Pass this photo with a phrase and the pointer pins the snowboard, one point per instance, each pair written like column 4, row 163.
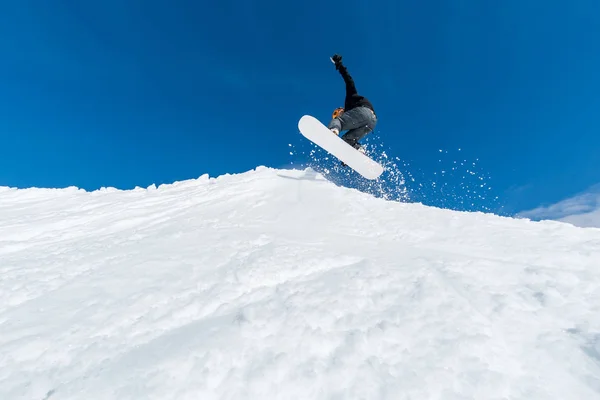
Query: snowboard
column 312, row 129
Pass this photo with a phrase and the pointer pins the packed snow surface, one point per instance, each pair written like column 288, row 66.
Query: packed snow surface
column 278, row 284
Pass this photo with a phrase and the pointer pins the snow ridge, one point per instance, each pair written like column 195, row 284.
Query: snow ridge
column 279, row 284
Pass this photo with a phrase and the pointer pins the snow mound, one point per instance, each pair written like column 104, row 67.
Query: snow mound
column 278, row 284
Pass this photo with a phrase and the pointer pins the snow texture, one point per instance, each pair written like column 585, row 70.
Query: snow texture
column 278, row 284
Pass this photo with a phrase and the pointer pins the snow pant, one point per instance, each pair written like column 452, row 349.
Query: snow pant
column 358, row 122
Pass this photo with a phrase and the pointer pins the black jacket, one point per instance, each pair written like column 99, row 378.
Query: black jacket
column 353, row 99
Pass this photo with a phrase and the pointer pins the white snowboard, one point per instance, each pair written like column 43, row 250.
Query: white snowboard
column 318, row 133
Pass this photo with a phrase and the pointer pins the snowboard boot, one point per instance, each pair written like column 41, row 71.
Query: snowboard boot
column 359, row 147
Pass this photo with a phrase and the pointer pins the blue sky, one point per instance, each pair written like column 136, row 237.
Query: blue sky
column 131, row 93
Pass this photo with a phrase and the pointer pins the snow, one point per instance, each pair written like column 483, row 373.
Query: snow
column 279, row 284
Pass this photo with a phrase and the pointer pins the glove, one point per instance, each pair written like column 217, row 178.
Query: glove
column 337, row 60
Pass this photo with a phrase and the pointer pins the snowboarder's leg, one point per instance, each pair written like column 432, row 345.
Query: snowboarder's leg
column 351, row 119
column 359, row 122
column 360, row 118
column 354, row 135
column 335, row 125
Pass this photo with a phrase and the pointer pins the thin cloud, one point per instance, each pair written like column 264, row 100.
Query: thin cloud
column 588, row 220
column 582, row 209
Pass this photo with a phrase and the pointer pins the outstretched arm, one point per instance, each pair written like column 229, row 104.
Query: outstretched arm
column 350, row 87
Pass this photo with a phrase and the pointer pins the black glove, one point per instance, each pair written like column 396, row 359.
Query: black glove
column 337, row 60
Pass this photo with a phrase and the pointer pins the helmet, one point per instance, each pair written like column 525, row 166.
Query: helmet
column 337, row 112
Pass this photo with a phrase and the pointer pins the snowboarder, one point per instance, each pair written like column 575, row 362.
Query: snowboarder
column 357, row 116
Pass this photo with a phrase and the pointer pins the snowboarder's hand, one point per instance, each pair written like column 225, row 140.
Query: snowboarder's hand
column 337, row 60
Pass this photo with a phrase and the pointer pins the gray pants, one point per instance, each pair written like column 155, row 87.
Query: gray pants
column 359, row 122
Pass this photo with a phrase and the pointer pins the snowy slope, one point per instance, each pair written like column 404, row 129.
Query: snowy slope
column 277, row 284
